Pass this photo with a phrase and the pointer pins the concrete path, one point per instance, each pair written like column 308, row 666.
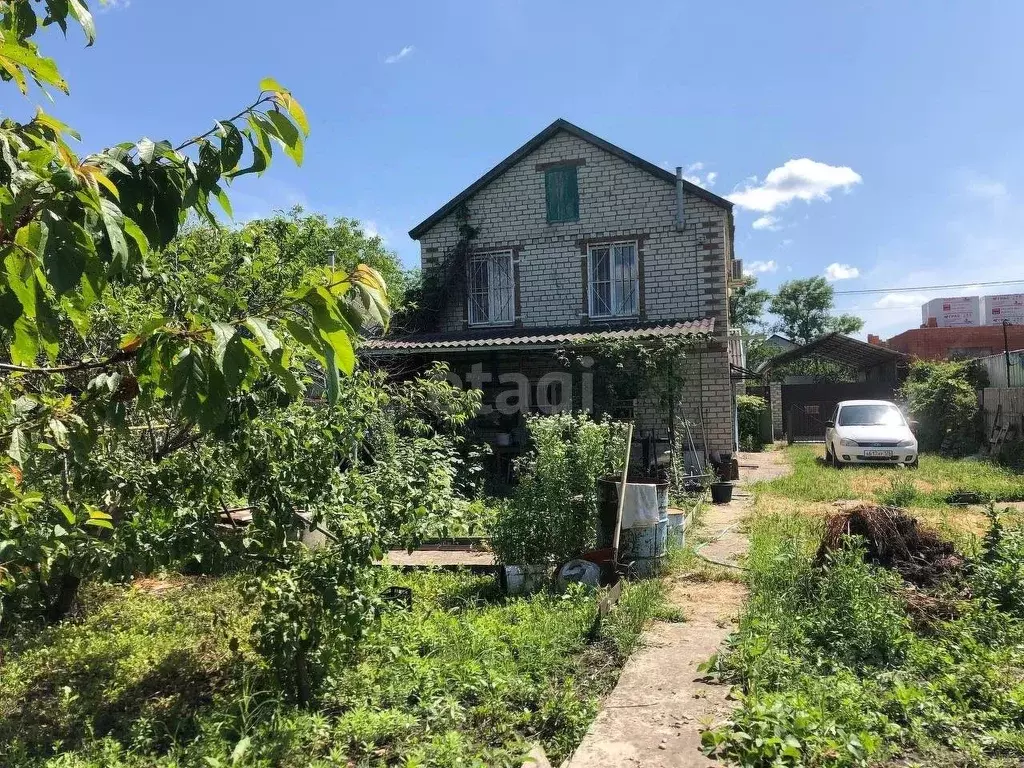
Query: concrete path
column 654, row 717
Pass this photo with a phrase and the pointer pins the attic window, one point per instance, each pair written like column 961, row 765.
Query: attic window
column 562, row 191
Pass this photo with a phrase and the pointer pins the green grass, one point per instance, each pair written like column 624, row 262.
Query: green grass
column 936, row 478
column 166, row 678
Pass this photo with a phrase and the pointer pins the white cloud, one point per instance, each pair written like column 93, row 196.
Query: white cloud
column 113, row 5
column 760, row 267
column 836, row 271
column 801, row 179
column 397, row 57
column 899, row 300
column 987, row 189
column 692, row 173
column 766, row 222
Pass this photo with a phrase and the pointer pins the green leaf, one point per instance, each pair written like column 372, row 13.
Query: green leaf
column 97, row 523
column 262, row 332
column 224, row 201
column 341, row 344
column 66, row 511
column 113, row 223
column 146, row 149
column 59, row 431
column 19, row 446
column 25, row 344
column 42, row 69
column 333, row 383
column 237, row 362
column 240, row 749
column 223, row 333
column 288, row 134
column 259, row 160
column 270, row 84
column 307, row 339
column 231, row 147
column 80, row 12
column 134, row 231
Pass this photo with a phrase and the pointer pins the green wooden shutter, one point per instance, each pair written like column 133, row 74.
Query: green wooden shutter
column 562, row 190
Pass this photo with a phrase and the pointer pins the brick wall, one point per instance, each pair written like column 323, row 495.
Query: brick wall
column 942, row 343
column 775, row 402
column 684, row 274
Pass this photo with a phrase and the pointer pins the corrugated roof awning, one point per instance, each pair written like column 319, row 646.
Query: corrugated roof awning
column 841, row 349
column 531, row 338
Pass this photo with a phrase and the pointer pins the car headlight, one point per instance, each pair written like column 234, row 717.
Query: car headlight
column 907, row 444
column 848, row 442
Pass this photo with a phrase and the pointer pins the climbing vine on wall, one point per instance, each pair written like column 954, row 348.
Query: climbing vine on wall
column 444, row 281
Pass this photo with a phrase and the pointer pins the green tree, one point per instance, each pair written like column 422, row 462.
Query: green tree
column 112, row 335
column 805, row 311
column 746, row 303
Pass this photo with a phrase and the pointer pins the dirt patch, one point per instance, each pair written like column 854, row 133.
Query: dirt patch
column 895, row 540
column 154, row 586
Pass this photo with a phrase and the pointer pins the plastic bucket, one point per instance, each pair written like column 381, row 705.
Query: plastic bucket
column 676, row 528
column 522, row 579
column 721, row 493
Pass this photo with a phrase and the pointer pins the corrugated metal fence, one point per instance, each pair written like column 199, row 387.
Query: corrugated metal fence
column 996, row 367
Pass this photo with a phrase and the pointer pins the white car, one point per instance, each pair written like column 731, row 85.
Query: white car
column 869, row 432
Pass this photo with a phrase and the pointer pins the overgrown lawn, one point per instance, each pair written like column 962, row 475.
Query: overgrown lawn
column 845, row 665
column 162, row 675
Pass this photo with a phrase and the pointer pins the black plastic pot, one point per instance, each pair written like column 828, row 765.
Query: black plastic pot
column 721, row 493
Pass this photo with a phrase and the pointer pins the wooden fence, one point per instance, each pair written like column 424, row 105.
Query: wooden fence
column 1002, row 408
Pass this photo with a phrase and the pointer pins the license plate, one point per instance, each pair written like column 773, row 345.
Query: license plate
column 878, row 453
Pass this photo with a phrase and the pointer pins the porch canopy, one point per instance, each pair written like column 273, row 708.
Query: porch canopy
column 876, row 361
column 534, row 339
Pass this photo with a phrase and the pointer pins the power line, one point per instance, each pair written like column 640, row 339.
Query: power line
column 928, row 287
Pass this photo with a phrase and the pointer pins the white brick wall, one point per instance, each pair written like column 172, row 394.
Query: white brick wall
column 685, row 273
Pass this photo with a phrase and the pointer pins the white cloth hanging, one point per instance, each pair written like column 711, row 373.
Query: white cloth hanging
column 641, row 506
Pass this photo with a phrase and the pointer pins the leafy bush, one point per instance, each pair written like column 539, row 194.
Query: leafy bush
column 900, row 491
column 553, row 514
column 941, row 397
column 750, row 409
column 999, row 571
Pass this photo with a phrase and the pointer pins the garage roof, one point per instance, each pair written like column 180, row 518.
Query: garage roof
column 840, row 349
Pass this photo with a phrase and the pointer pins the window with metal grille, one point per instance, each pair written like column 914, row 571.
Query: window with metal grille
column 561, row 188
column 614, row 288
column 491, row 289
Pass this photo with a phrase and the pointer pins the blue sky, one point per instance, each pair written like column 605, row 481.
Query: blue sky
column 900, row 122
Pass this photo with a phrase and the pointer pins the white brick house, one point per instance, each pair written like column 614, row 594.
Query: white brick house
column 575, row 237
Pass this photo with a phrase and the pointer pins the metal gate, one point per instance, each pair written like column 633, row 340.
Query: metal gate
column 807, row 407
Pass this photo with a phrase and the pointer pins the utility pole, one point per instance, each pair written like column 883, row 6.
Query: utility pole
column 1006, row 350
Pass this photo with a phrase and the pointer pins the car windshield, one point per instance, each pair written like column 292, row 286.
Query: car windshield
column 880, row 415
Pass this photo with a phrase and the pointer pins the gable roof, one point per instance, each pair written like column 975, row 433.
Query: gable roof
column 560, row 125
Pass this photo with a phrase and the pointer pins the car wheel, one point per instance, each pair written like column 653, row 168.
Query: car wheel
column 914, row 464
column 829, row 458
